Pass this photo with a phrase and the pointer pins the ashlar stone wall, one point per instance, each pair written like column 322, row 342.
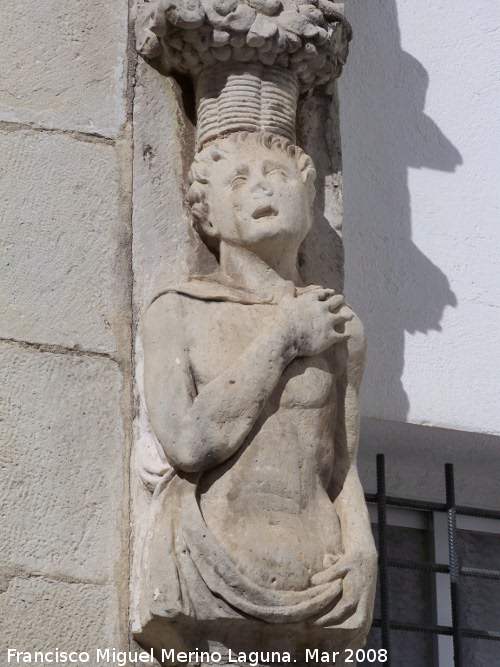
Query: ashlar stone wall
column 65, row 324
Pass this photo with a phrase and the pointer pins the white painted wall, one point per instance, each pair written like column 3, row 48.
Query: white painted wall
column 420, row 149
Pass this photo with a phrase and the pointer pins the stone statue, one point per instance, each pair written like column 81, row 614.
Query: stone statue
column 259, row 532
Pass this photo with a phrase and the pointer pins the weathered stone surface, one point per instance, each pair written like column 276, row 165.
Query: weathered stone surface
column 309, row 42
column 256, row 532
column 62, row 464
column 41, row 615
column 64, row 265
column 251, row 381
column 64, row 64
column 163, row 250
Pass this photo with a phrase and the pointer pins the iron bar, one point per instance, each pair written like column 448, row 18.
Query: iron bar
column 454, row 565
column 439, row 630
column 419, row 565
column 456, row 631
column 482, row 574
column 444, row 569
column 479, row 512
column 428, row 506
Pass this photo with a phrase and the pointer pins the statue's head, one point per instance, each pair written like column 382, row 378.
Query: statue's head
column 250, row 189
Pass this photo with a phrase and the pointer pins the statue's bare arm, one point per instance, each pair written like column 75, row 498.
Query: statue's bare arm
column 359, row 563
column 200, row 428
column 349, row 492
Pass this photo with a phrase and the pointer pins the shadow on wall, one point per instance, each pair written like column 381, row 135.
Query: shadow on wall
column 392, row 285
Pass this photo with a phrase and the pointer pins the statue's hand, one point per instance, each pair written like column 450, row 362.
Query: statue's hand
column 311, row 319
column 355, row 607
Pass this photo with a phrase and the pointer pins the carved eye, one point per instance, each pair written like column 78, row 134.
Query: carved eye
column 238, row 181
column 278, row 173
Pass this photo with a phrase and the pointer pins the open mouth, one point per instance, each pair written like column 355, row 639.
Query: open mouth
column 264, row 211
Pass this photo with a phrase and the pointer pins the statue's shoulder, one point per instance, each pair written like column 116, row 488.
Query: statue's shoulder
column 173, row 297
column 357, row 340
column 211, row 288
column 166, row 301
column 175, row 304
column 164, row 318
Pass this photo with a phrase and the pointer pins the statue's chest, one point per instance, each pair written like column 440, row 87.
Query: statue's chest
column 306, row 382
column 226, row 331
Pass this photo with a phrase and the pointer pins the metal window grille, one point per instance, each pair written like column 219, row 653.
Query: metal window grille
column 453, row 567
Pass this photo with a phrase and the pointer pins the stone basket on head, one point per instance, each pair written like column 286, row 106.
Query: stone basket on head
column 258, row 53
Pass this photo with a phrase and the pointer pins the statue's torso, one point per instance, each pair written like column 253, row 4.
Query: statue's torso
column 268, row 504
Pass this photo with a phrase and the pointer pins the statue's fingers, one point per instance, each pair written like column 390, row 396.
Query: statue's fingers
column 344, row 315
column 345, row 606
column 325, row 294
column 335, row 301
column 336, row 571
column 340, row 338
column 360, row 619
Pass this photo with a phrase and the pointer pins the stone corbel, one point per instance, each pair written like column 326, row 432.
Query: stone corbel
column 200, row 586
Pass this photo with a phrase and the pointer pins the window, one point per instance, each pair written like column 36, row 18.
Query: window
column 416, row 612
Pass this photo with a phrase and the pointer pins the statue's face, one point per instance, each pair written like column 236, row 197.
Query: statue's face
column 257, row 197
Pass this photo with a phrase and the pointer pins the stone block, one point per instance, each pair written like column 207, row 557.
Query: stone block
column 164, row 249
column 64, row 64
column 65, row 266
column 63, row 459
column 41, row 615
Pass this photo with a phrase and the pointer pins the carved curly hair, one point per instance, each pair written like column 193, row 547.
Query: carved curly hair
column 200, row 172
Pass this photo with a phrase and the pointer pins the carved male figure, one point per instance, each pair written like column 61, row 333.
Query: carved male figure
column 251, row 386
